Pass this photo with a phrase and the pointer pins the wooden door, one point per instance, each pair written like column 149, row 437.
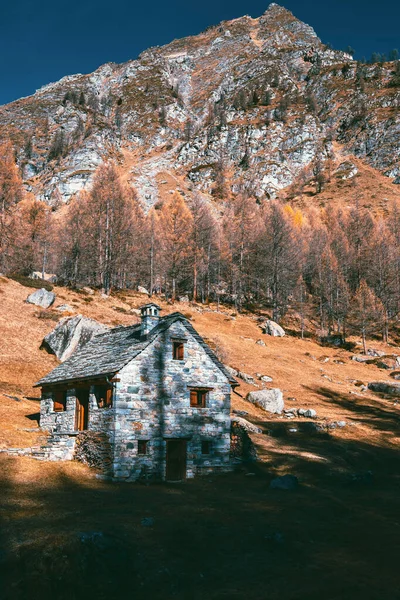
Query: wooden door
column 82, row 410
column 176, row 460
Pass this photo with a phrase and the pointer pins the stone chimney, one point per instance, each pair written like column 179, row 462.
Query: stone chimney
column 150, row 317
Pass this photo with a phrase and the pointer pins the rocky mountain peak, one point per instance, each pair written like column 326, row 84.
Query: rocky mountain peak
column 260, row 103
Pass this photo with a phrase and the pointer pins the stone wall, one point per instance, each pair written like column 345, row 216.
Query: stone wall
column 153, row 403
column 57, row 421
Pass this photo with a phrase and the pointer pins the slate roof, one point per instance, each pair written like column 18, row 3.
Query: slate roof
column 109, row 352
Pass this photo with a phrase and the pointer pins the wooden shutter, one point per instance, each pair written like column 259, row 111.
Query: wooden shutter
column 193, row 397
column 59, row 401
column 109, row 397
column 180, row 351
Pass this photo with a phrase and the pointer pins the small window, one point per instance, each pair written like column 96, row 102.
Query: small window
column 206, row 447
column 59, row 401
column 142, row 446
column 198, row 398
column 178, row 350
column 104, row 395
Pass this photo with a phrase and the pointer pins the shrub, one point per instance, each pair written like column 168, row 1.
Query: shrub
column 48, row 315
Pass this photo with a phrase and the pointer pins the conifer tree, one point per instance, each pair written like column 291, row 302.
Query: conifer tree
column 366, row 313
column 175, row 229
column 10, row 195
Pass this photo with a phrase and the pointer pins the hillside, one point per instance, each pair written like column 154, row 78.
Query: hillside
column 324, row 535
column 258, row 101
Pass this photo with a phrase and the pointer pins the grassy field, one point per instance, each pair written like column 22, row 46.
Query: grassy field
column 65, row 534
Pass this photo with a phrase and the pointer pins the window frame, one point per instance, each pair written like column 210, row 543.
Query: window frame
column 206, row 444
column 205, row 392
column 146, row 447
column 59, row 403
column 108, row 395
column 178, row 350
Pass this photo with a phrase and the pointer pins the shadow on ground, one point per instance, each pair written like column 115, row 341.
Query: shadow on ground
column 66, row 535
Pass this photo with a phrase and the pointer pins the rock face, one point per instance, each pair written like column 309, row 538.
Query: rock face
column 272, row 328
column 41, row 298
column 272, row 107
column 70, row 334
column 269, row 400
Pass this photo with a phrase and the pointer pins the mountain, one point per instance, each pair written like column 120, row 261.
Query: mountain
column 255, row 102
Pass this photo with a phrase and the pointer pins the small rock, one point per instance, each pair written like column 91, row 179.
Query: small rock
column 88, row 290
column 260, row 343
column 147, row 522
column 273, row 329
column 232, row 372
column 285, row 482
column 65, row 308
column 247, row 378
column 323, row 359
column 266, row 378
column 360, row 358
column 240, row 413
column 142, row 290
column 307, row 412
column 41, row 298
column 184, row 299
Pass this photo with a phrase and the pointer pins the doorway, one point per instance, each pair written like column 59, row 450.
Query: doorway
column 82, row 410
column 176, row 460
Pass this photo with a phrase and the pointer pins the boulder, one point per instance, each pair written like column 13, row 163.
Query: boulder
column 41, row 298
column 285, row 482
column 385, row 387
column 71, row 334
column 272, row 328
column 142, row 290
column 269, row 400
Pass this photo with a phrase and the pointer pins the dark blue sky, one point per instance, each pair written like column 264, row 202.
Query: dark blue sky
column 43, row 40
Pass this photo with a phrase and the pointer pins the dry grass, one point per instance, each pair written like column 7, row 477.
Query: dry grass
column 66, row 534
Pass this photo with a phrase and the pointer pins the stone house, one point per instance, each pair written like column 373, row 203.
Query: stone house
column 157, row 393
